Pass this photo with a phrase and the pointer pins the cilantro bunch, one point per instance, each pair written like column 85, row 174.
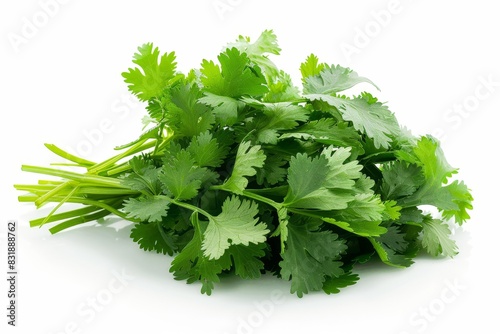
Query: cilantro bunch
column 240, row 173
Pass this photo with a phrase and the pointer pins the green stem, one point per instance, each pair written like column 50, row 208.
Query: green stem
column 78, row 221
column 96, row 169
column 68, row 156
column 65, row 215
column 250, row 194
column 94, row 179
column 125, row 167
column 58, row 205
column 42, row 199
column 304, row 213
column 85, row 201
column 378, row 157
column 191, row 207
column 262, row 199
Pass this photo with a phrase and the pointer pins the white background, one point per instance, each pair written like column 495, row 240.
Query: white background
column 63, row 81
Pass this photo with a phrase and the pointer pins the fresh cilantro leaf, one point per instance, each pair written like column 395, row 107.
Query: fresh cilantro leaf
column 206, row 151
column 273, row 172
column 153, row 237
column 310, row 257
column 144, row 180
column 400, row 180
column 364, row 207
column 334, row 284
column 329, row 132
column 341, row 173
column 311, row 67
column 225, row 108
column 186, row 115
column 234, row 78
column 367, row 116
column 190, row 264
column 281, row 89
column 462, row 198
column 180, row 176
column 331, row 79
column 235, row 225
column 248, row 158
column 326, row 190
column 275, row 117
column 392, row 210
column 152, row 77
column 147, row 208
column 393, row 248
column 436, row 238
column 454, row 199
column 257, row 52
column 360, row 227
column 362, row 216
column 246, row 260
column 311, row 192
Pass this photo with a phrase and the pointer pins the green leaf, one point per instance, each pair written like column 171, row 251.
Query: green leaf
column 206, row 151
column 152, row 77
column 329, row 188
column 152, row 237
column 257, row 51
column 234, row 78
column 454, row 199
column 436, row 238
column 282, row 89
column 361, row 228
column 393, row 248
column 329, row 132
column 180, row 175
column 248, row 158
column 367, row 116
column 311, row 67
column 186, row 115
column 310, row 256
column 275, row 117
column 331, row 79
column 246, row 259
column 364, row 207
column 273, row 171
column 334, row 284
column 190, row 264
column 462, row 197
column 144, row 180
column 235, row 225
column 310, row 192
column 225, row 108
column 400, row 180
column 341, row 173
column 147, row 208
column 431, row 158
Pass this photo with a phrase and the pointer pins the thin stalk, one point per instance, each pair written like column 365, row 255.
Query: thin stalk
column 191, row 207
column 59, row 205
column 78, row 221
column 65, row 215
column 94, row 179
column 42, row 199
column 85, row 201
column 68, row 156
column 252, row 195
column 97, row 168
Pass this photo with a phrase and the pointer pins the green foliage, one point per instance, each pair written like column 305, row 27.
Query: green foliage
column 240, row 172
